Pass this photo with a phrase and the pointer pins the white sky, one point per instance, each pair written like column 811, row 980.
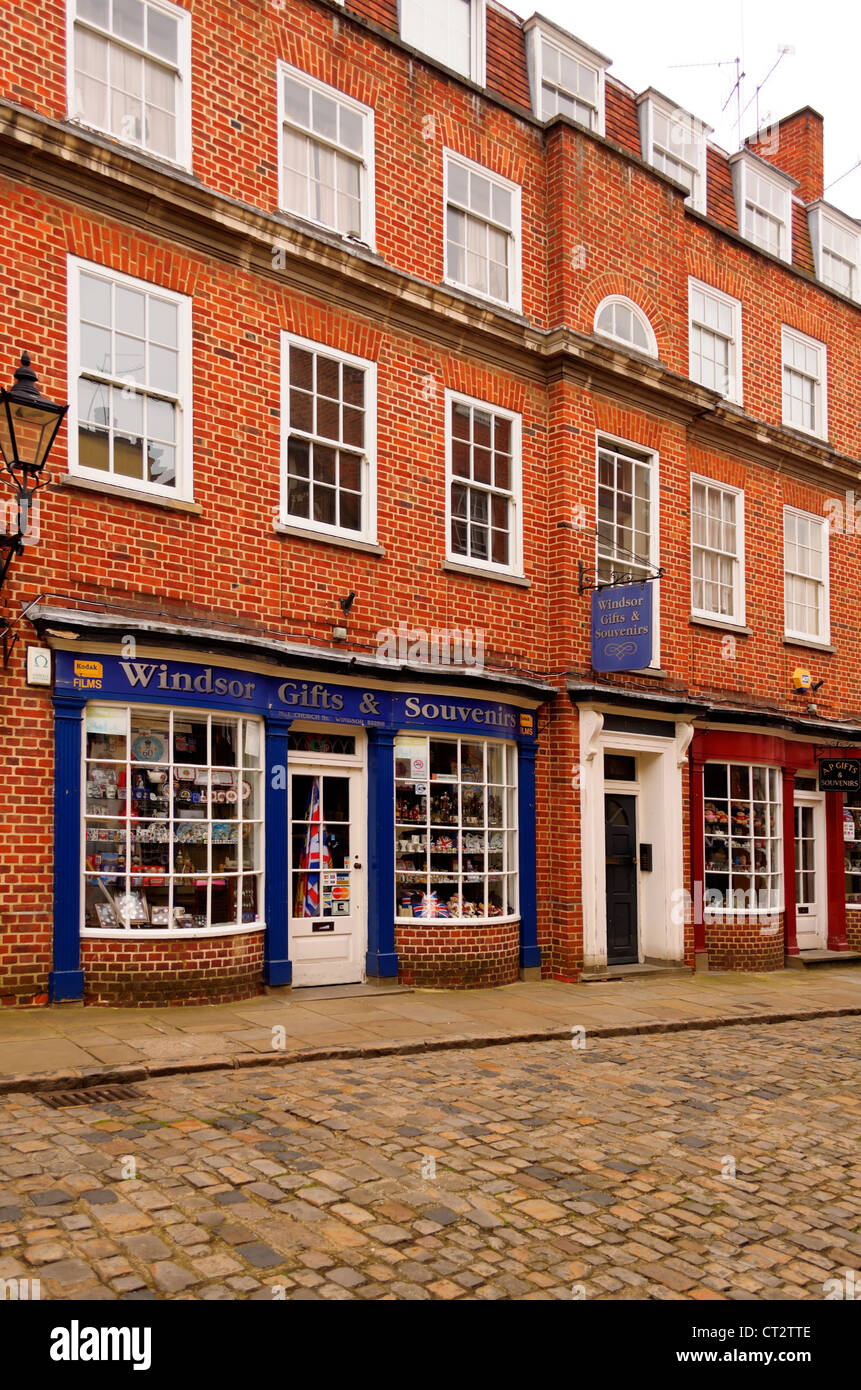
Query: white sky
column 645, row 40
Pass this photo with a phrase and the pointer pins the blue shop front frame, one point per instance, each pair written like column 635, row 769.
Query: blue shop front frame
column 280, row 699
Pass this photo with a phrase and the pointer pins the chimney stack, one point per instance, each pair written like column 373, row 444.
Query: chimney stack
column 795, row 146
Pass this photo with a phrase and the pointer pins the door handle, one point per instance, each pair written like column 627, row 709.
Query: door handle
column 357, row 865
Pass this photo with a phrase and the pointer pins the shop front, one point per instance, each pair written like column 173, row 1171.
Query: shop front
column 221, row 828
column 772, row 863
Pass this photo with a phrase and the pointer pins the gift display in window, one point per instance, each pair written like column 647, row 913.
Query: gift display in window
column 852, row 849
column 445, row 853
column 183, row 819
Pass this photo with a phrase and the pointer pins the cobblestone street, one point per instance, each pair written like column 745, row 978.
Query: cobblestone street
column 518, row 1172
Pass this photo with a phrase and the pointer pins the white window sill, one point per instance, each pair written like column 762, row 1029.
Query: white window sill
column 144, row 934
column 815, row 643
column 130, row 494
column 477, row 572
column 131, row 146
column 513, row 308
column 459, row 921
column 306, row 533
column 727, row 624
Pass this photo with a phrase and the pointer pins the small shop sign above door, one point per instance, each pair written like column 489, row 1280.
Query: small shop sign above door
column 840, row 775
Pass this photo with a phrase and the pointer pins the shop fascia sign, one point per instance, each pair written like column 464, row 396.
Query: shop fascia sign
column 171, row 682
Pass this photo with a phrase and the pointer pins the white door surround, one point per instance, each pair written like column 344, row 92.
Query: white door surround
column 661, row 903
column 811, row 895
column 327, row 883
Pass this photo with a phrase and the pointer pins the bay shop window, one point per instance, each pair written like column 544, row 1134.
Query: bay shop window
column 455, row 828
column 172, row 819
column 743, row 837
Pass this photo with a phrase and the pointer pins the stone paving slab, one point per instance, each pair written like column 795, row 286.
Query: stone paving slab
column 68, row 1046
column 700, row 1165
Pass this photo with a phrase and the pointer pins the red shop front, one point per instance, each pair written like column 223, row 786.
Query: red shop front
column 768, row 864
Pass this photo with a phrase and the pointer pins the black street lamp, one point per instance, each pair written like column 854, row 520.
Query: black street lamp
column 28, row 428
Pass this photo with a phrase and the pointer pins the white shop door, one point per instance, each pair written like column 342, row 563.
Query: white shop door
column 811, row 900
column 328, row 934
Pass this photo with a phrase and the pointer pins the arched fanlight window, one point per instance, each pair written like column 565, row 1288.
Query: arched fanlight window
column 621, row 320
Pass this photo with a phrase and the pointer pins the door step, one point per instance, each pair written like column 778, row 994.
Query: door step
column 625, row 972
column 362, row 991
column 821, row 957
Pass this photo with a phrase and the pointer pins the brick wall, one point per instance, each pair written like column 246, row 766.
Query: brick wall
column 436, row 955
column 740, row 945
column 205, row 970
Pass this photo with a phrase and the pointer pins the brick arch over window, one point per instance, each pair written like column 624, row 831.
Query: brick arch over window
column 619, row 288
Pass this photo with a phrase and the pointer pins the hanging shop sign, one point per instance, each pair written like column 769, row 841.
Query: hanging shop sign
column 189, row 683
column 840, row 775
column 622, row 627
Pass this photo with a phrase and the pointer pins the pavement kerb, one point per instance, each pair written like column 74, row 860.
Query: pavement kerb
column 75, row 1079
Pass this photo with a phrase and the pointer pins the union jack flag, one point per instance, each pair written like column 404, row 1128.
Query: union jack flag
column 315, row 856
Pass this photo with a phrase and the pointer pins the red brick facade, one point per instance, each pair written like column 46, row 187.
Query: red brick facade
column 596, row 221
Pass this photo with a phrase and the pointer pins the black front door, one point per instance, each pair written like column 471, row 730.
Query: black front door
column 620, row 839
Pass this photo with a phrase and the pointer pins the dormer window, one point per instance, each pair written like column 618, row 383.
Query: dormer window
column 449, row 31
column 674, row 141
column 763, row 203
column 565, row 76
column 836, row 241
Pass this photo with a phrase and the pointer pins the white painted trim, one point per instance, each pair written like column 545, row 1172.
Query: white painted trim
column 639, row 315
column 823, row 637
column 821, row 216
column 368, row 195
column 820, row 866
column 538, row 29
column 515, row 270
column 369, row 481
column 650, row 457
column 744, row 163
column 515, row 566
column 739, row 592
column 184, row 133
column 820, row 397
column 477, row 40
column 664, row 786
column 696, row 131
column 736, row 390
column 184, row 489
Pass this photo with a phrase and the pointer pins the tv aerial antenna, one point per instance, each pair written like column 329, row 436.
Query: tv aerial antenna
column 736, row 87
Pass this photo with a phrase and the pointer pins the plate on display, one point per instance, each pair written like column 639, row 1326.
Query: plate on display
column 148, row 748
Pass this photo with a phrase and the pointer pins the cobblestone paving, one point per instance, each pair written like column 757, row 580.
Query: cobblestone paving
column 556, row 1170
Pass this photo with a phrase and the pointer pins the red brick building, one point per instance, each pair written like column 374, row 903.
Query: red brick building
column 387, row 331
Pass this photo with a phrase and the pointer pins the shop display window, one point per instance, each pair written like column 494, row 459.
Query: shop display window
column 173, row 819
column 455, row 828
column 743, row 836
column 852, row 848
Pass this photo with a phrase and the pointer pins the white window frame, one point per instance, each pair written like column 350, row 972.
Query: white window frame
column 509, row 832
column 367, row 182
column 820, row 392
column 639, row 315
column 539, row 31
column 514, row 568
column 737, row 617
column 823, row 222
column 648, row 457
column 515, row 276
column 368, row 533
column 477, row 40
column 823, row 637
column 735, row 390
column 183, row 490
column 183, row 106
column 775, row 876
column 652, row 102
column 745, row 163
column 186, row 714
